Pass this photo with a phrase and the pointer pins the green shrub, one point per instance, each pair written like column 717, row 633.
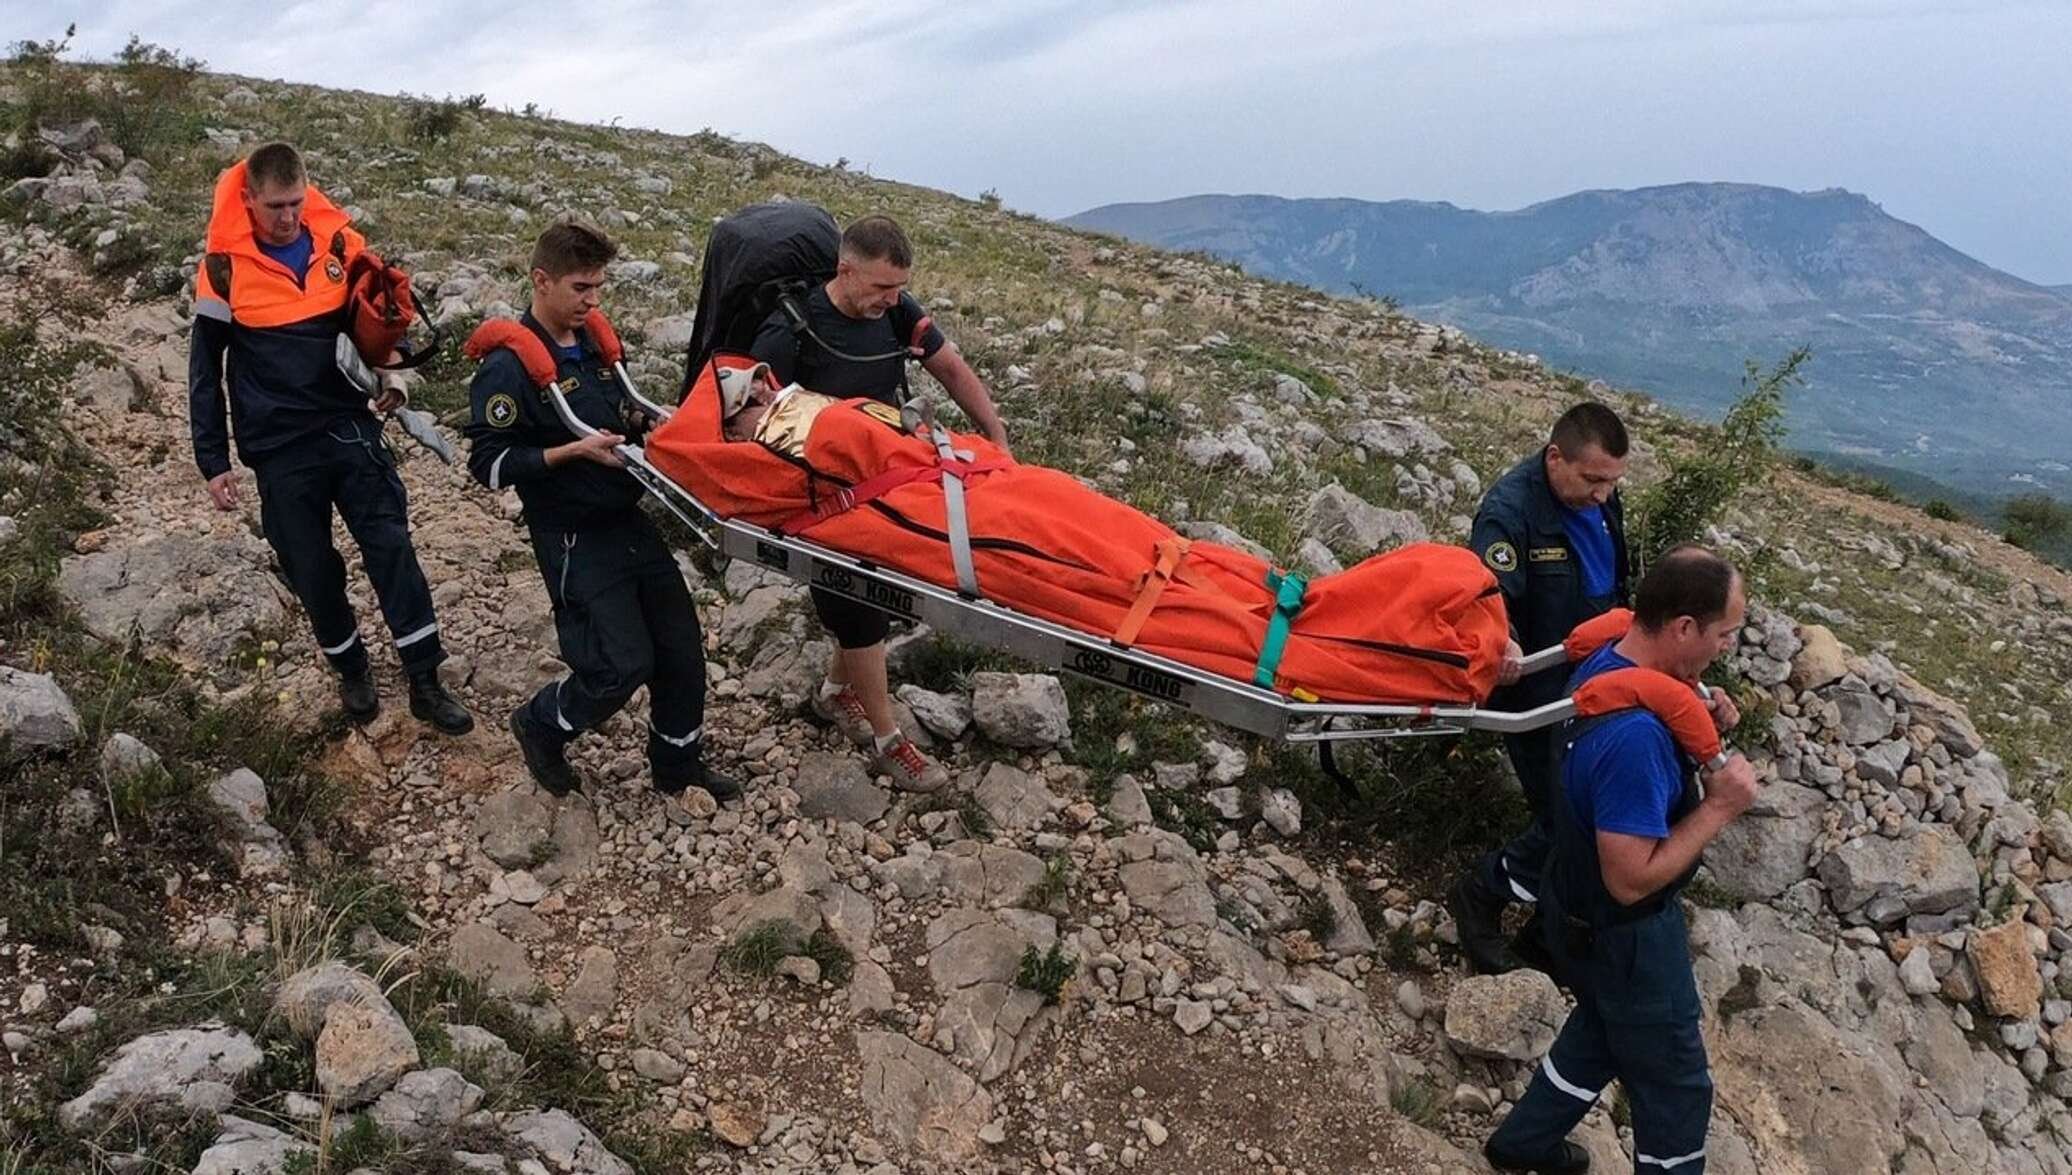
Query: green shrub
column 153, row 107
column 433, row 121
column 1700, row 484
column 2032, row 521
column 1938, row 509
column 1045, row 972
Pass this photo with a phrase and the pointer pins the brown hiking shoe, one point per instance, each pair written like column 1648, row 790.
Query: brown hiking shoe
column 845, row 710
column 909, row 768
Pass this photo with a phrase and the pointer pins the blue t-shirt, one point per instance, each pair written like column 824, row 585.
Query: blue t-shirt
column 572, row 353
column 295, row 255
column 1590, row 537
column 1623, row 774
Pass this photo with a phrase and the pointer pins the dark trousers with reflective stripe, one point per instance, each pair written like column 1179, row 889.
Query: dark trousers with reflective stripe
column 1636, row 1019
column 346, row 468
column 624, row 619
column 1512, row 873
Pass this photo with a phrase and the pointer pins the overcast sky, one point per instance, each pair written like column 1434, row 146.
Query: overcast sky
column 1951, row 114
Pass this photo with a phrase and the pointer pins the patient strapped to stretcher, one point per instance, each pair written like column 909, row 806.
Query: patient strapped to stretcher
column 1421, row 624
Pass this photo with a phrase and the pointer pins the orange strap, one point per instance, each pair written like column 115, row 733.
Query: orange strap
column 1151, row 586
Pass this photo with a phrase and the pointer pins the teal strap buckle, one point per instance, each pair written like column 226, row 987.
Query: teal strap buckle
column 1288, row 588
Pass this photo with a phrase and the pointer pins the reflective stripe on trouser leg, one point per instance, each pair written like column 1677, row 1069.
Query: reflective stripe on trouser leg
column 376, row 511
column 1576, row 1069
column 339, row 649
column 1669, row 1089
column 685, row 741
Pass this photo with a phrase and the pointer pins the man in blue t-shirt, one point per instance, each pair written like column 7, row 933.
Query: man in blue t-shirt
column 1630, row 823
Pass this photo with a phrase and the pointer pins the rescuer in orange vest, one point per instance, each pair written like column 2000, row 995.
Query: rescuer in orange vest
column 269, row 307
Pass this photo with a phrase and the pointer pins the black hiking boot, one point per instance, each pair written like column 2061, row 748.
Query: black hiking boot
column 429, row 702
column 543, row 758
column 357, row 694
column 721, row 788
column 1478, row 920
column 1570, row 1159
column 1529, row 946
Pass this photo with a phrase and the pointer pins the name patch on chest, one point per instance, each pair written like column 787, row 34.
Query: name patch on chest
column 1548, row 554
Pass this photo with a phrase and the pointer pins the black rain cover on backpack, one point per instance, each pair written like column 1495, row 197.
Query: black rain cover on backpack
column 750, row 259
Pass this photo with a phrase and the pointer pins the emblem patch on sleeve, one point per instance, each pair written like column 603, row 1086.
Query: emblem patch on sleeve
column 501, row 411
column 1501, row 556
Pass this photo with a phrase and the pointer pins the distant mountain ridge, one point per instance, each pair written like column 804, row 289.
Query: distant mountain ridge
column 1926, row 359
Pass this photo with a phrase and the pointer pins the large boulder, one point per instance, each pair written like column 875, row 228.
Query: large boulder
column 1342, row 520
column 309, row 995
column 1946, row 718
column 1510, row 1017
column 1765, row 852
column 249, row 1148
column 186, row 1070
column 1866, row 717
column 195, row 597
column 1162, row 876
column 1013, row 798
column 482, row 953
column 920, row 1099
column 561, row 1144
column 35, row 715
column 1820, row 659
column 836, row 787
column 426, row 1104
column 361, row 1052
column 2009, row 983
column 1026, row 710
column 239, row 798
column 1927, row 871
column 1810, row 1097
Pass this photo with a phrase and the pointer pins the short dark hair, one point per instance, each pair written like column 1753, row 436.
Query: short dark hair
column 878, row 238
column 1589, row 423
column 274, row 165
column 572, row 246
column 1688, row 580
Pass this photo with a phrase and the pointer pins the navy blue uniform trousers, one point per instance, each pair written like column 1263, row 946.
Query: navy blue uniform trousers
column 348, row 469
column 624, row 619
column 1636, row 1019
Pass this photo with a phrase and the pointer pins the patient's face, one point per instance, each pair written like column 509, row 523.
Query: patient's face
column 742, row 424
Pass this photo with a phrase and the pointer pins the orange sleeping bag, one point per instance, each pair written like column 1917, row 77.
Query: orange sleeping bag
column 1421, row 624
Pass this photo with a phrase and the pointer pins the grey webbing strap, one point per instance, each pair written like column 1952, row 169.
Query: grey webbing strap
column 953, row 507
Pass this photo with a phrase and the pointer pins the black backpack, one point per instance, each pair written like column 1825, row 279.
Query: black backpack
column 761, row 259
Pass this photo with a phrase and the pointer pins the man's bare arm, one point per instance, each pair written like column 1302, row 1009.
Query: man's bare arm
column 1635, row 866
column 947, row 365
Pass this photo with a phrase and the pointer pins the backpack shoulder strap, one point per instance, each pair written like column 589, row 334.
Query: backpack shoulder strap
column 217, row 265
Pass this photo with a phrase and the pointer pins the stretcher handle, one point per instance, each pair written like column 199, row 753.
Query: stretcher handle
column 637, row 464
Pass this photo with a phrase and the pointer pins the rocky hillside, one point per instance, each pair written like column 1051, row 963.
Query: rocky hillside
column 243, row 938
column 1928, row 361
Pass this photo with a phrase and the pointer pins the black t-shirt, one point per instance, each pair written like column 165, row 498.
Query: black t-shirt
column 797, row 359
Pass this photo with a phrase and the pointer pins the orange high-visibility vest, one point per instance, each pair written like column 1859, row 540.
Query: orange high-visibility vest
column 239, row 283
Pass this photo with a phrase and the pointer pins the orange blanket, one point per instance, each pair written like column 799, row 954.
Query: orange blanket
column 1423, row 623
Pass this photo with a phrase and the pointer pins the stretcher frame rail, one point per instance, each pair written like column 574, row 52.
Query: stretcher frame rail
column 1227, row 701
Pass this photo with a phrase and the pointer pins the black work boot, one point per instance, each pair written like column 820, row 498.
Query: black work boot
column 1529, row 945
column 676, row 782
column 544, row 757
column 357, row 694
column 429, row 702
column 1478, row 920
column 1568, row 1159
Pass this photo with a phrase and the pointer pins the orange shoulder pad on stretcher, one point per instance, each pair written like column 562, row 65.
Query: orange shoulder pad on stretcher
column 1673, row 701
column 509, row 333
